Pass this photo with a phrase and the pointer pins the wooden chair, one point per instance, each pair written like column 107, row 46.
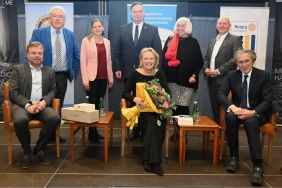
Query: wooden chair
column 268, row 128
column 125, row 129
column 9, row 125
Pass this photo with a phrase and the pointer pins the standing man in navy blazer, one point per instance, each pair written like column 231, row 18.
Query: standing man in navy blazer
column 218, row 60
column 69, row 60
column 130, row 44
column 250, row 112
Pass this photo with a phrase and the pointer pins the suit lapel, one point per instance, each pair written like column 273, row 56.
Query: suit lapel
column 239, row 84
column 129, row 33
column 143, row 32
column 224, row 43
column 254, row 76
column 28, row 75
column 93, row 45
column 44, row 79
column 48, row 39
column 212, row 46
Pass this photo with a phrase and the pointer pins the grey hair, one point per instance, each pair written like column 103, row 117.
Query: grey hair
column 252, row 54
column 58, row 8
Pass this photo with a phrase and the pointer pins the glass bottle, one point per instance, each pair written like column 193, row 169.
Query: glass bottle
column 195, row 112
column 101, row 108
column 87, row 99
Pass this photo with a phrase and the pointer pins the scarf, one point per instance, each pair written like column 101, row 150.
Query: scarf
column 172, row 51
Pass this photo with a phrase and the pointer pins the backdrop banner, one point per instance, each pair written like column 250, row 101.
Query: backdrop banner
column 252, row 24
column 36, row 16
column 277, row 59
column 160, row 15
column 9, row 46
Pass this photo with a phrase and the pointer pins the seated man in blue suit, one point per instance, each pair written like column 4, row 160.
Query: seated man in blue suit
column 61, row 51
column 251, row 101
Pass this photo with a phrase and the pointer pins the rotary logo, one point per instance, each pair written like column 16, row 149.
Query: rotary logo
column 252, row 27
column 44, row 21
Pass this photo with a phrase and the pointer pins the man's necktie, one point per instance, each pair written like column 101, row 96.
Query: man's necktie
column 244, row 93
column 58, row 51
column 136, row 36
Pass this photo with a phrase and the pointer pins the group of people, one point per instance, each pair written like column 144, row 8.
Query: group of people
column 139, row 57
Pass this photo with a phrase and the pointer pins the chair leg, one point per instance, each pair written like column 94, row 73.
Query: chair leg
column 270, row 147
column 122, row 140
column 222, row 135
column 127, row 136
column 166, row 140
column 262, row 142
column 58, row 141
column 9, row 138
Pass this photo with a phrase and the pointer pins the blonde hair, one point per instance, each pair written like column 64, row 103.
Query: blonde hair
column 156, row 55
column 34, row 44
column 93, row 21
column 188, row 29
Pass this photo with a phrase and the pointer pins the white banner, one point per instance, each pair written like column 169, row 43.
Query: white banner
column 159, row 15
column 36, row 16
column 252, row 24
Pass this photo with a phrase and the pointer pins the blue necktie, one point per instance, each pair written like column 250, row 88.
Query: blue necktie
column 244, row 93
column 136, row 36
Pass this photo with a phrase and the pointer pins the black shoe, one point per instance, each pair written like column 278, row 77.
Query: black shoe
column 257, row 177
column 134, row 135
column 53, row 138
column 25, row 161
column 157, row 169
column 93, row 139
column 43, row 158
column 100, row 137
column 171, row 138
column 233, row 165
column 147, row 166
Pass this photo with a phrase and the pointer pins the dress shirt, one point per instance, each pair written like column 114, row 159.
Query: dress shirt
column 36, row 84
column 216, row 47
column 63, row 49
column 139, row 29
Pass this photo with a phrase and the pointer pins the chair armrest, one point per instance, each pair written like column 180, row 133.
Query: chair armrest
column 56, row 105
column 272, row 119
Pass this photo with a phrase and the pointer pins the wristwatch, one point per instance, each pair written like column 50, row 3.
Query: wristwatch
column 256, row 115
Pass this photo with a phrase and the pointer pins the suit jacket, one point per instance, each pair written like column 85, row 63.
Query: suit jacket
column 224, row 60
column 259, row 93
column 89, row 60
column 125, row 52
column 43, row 35
column 20, row 85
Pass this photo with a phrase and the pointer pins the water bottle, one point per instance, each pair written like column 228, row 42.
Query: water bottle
column 87, row 99
column 101, row 108
column 195, row 112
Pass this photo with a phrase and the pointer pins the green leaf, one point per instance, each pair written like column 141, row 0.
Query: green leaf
column 159, row 122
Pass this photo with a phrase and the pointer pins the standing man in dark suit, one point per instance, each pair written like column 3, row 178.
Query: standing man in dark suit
column 218, row 60
column 61, row 51
column 132, row 39
column 32, row 87
column 251, row 101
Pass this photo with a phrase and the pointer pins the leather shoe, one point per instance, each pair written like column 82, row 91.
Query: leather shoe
column 53, row 138
column 93, row 139
column 157, row 169
column 134, row 135
column 42, row 157
column 25, row 161
column 100, row 137
column 257, row 177
column 147, row 166
column 233, row 165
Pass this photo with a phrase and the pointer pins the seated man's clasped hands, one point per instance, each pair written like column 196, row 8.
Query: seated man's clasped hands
column 32, row 87
column 251, row 101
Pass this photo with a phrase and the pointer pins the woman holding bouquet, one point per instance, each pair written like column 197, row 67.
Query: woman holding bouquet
column 182, row 63
column 96, row 69
column 153, row 134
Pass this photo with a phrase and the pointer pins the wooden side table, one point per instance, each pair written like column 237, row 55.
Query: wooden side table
column 205, row 124
column 103, row 122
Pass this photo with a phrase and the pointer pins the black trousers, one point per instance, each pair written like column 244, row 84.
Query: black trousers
column 213, row 90
column 153, row 136
column 251, row 126
column 21, row 119
column 61, row 85
column 98, row 89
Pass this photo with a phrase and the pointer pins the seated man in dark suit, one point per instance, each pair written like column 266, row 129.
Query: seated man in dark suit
column 251, row 100
column 32, row 87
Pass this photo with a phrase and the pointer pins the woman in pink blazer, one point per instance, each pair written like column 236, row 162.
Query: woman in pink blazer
column 96, row 69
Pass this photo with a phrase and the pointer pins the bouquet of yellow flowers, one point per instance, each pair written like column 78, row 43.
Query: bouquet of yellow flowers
column 155, row 100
